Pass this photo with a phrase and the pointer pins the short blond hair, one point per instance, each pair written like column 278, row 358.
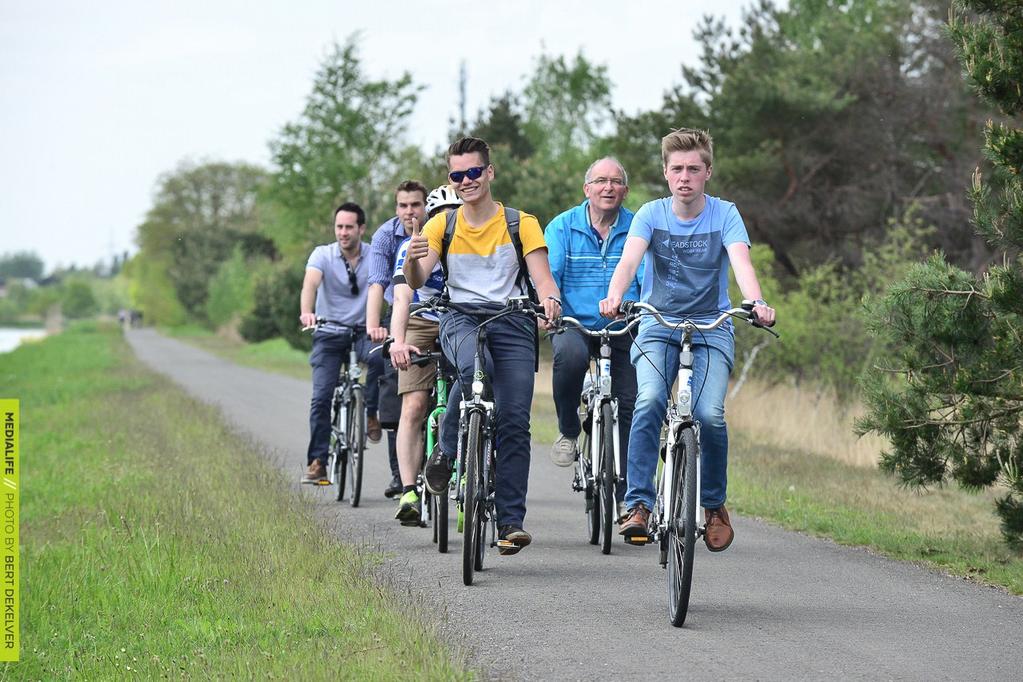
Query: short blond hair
column 688, row 140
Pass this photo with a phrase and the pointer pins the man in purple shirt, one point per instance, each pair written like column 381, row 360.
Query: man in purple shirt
column 410, row 207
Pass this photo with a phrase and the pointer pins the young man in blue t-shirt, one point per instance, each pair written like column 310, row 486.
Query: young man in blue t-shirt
column 688, row 240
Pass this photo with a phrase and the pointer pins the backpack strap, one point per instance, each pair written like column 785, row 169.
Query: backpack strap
column 511, row 215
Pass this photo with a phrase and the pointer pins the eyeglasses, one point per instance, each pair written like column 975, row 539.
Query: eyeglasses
column 473, row 173
column 614, row 182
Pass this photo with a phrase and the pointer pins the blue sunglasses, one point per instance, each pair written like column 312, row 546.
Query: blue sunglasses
column 473, row 173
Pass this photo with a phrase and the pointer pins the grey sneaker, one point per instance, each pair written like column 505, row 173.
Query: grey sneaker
column 563, row 451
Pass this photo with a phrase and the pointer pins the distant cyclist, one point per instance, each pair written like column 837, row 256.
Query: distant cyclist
column 688, row 240
column 421, row 335
column 335, row 282
column 484, row 270
column 584, row 245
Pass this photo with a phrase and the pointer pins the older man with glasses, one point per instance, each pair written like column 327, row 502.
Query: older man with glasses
column 584, row 245
column 336, row 278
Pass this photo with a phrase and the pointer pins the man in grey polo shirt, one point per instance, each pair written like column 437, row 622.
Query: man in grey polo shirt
column 336, row 278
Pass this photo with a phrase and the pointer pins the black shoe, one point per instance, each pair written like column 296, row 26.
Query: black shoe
column 437, row 473
column 511, row 539
column 394, row 488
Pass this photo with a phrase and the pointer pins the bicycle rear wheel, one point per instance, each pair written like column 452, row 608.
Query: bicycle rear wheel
column 606, row 477
column 681, row 528
column 487, row 512
column 473, row 498
column 356, row 441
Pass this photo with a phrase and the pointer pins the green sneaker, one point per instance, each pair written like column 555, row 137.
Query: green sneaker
column 408, row 509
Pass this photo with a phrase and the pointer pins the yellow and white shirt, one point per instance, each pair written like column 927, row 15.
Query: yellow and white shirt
column 482, row 265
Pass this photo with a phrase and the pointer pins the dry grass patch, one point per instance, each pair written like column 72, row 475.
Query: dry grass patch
column 803, row 419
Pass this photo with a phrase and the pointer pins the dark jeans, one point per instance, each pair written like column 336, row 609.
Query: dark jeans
column 329, row 350
column 510, row 341
column 572, row 352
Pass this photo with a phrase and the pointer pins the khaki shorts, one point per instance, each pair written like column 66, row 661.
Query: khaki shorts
column 422, row 334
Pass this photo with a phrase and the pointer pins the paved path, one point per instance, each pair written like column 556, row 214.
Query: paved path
column 777, row 605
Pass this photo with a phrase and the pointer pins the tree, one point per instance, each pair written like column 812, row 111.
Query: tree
column 200, row 213
column 24, row 264
column 346, row 145
column 826, row 126
column 78, row 300
column 544, row 139
column 950, row 399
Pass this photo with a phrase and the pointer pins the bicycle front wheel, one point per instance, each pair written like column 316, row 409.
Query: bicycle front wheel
column 606, row 477
column 473, row 504
column 440, row 521
column 589, row 481
column 681, row 528
column 356, row 442
column 337, row 466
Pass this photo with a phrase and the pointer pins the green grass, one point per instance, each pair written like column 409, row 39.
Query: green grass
column 156, row 544
column 948, row 528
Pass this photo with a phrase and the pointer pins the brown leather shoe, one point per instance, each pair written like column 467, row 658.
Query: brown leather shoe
column 373, row 431
column 719, row 530
column 315, row 474
column 636, row 522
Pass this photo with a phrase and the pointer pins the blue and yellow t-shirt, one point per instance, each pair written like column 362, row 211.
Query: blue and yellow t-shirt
column 482, row 265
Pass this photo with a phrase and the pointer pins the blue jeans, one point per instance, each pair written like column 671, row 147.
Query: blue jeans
column 572, row 353
column 655, row 355
column 329, row 349
column 510, row 342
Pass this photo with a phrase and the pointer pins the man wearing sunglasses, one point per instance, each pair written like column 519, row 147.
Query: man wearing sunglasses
column 483, row 270
column 409, row 209
column 335, row 282
column 585, row 244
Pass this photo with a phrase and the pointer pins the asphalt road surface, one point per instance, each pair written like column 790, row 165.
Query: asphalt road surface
column 776, row 606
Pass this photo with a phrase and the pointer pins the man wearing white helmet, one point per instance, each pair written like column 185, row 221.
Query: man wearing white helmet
column 419, row 334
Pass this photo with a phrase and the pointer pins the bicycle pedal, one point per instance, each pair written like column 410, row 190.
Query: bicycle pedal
column 323, row 483
column 638, row 540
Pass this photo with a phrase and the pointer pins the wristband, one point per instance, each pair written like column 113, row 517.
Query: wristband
column 760, row 301
column 556, row 300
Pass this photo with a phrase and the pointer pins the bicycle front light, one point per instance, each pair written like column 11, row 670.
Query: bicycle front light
column 477, row 387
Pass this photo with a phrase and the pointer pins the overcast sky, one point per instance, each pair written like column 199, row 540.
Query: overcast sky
column 98, row 99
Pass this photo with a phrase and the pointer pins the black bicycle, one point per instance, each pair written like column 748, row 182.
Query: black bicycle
column 476, row 462
column 347, row 423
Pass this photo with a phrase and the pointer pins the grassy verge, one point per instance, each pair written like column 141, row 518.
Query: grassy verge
column 158, row 545
column 949, row 528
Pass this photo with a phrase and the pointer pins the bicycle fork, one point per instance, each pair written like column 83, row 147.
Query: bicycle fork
column 680, row 414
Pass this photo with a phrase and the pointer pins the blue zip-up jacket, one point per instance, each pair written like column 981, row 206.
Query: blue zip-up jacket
column 581, row 269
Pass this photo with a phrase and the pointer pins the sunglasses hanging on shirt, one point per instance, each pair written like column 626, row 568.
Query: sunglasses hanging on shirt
column 351, row 276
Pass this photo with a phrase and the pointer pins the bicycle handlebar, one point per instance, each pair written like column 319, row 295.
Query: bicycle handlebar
column 630, row 322
column 515, row 304
column 322, row 321
column 744, row 312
